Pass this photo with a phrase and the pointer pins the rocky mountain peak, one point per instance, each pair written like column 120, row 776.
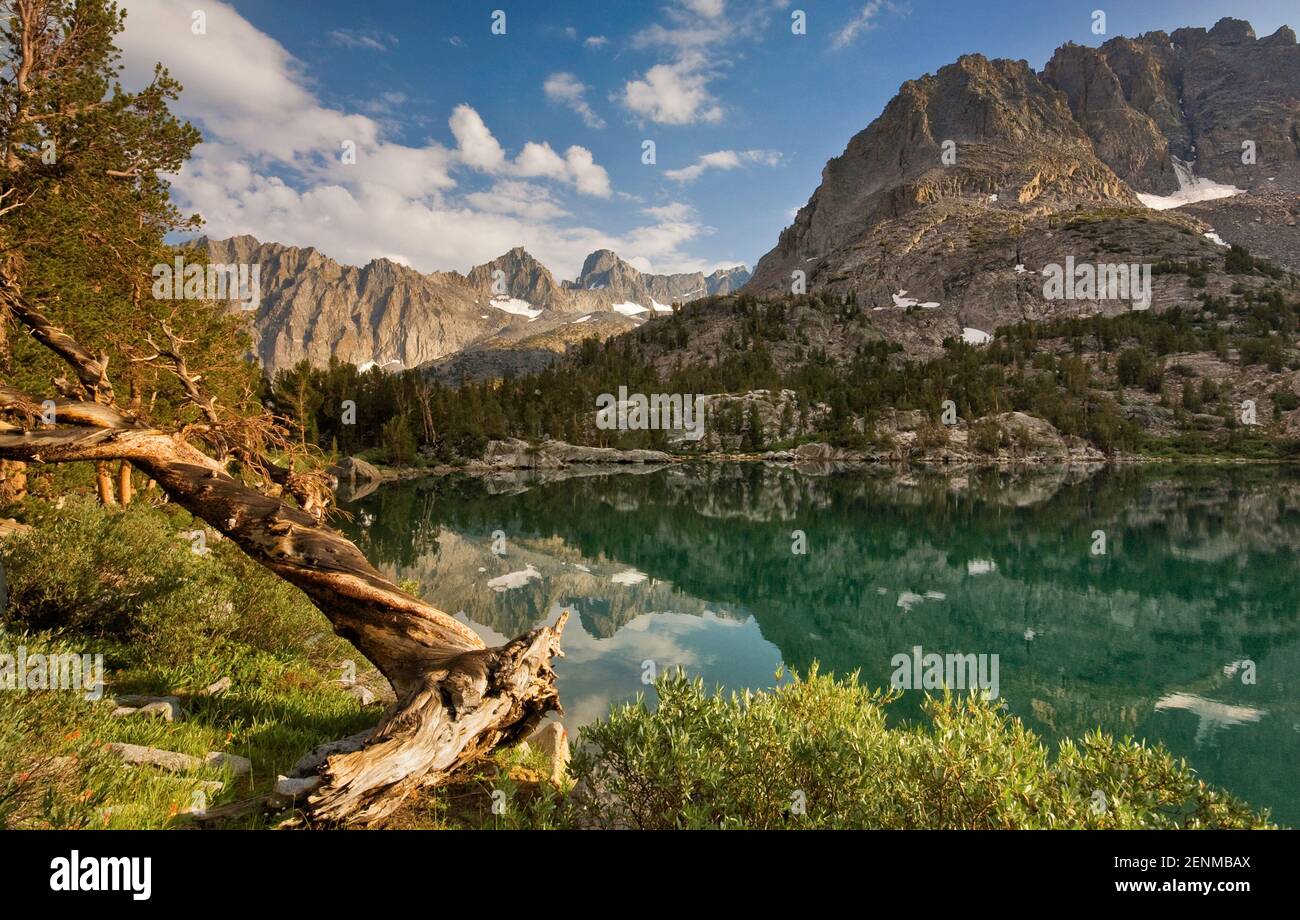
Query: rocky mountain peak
column 1229, row 31
column 520, row 276
column 1194, row 94
column 977, row 135
column 602, row 260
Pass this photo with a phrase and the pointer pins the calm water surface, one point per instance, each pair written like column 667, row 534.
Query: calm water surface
column 692, row 566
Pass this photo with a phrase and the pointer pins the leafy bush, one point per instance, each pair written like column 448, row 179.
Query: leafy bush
column 133, row 577
column 817, row 753
column 987, row 436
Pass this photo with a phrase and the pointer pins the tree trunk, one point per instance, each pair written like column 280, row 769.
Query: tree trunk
column 124, row 483
column 104, row 484
column 456, row 700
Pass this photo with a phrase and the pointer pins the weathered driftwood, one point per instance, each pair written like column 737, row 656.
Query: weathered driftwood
column 456, row 699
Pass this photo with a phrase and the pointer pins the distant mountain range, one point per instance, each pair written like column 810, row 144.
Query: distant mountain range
column 387, row 315
column 936, row 222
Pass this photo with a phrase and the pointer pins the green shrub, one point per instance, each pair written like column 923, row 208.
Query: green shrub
column 987, row 436
column 817, row 753
column 133, row 577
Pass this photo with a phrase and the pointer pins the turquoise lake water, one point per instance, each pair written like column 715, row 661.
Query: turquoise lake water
column 1185, row 631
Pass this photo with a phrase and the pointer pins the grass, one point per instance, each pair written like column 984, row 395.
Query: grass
column 168, row 622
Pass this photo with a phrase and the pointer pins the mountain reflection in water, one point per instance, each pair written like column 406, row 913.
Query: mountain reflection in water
column 692, row 566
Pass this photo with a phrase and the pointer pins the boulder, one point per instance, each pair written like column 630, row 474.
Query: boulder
column 553, row 742
column 139, row 755
column 239, row 766
column 288, row 789
column 217, row 687
column 354, row 470
column 168, row 712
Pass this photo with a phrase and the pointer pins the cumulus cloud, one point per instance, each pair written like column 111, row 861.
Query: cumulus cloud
column 675, row 93
column 568, row 90
column 512, row 196
column 271, row 164
column 695, row 38
column 723, row 160
column 596, row 41
column 675, row 211
column 709, row 9
column 477, row 147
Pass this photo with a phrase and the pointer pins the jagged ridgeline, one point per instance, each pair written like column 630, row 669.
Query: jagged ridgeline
column 936, row 221
column 387, row 315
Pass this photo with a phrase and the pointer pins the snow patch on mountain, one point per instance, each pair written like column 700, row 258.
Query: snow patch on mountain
column 516, row 307
column 902, row 301
column 1190, row 190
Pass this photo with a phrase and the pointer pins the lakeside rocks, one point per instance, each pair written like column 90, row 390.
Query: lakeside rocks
column 911, row 437
column 515, row 454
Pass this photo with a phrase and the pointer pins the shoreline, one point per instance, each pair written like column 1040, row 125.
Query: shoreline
column 403, row 473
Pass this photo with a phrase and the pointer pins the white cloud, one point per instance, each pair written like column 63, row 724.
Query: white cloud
column 270, row 164
column 709, row 9
column 864, row 21
column 675, row 93
column 373, row 41
column 696, row 35
column 511, row 196
column 676, row 211
column 596, row 41
column 588, row 178
column 568, row 90
column 474, row 142
column 723, row 160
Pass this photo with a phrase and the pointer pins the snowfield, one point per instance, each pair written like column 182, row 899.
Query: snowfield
column 379, row 364
column 902, row 301
column 515, row 307
column 1190, row 190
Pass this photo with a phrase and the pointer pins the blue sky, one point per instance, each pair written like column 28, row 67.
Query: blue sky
column 470, row 142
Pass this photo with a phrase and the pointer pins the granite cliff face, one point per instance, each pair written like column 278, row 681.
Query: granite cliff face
column 940, row 215
column 980, row 143
column 1196, row 95
column 509, row 315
